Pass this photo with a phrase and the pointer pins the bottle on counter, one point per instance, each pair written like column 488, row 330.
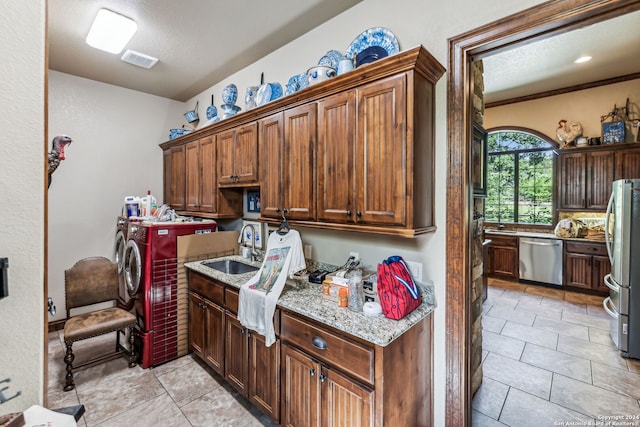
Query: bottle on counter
column 343, row 297
column 356, row 300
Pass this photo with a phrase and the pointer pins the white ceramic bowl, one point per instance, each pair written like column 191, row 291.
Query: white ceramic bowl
column 320, row 73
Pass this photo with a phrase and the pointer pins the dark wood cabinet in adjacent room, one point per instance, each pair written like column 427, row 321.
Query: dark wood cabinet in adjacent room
column 503, row 257
column 585, row 265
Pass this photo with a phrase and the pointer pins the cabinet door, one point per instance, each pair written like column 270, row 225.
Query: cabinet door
column 235, row 369
column 345, row 402
column 504, row 261
column 246, row 154
column 572, row 181
column 336, row 157
column 264, row 375
column 196, row 323
column 299, row 161
column 207, row 190
column 627, row 164
column 599, row 179
column 271, row 146
column 601, row 267
column 577, row 270
column 301, row 389
column 192, row 174
column 225, row 155
column 381, row 155
column 214, row 338
column 177, row 199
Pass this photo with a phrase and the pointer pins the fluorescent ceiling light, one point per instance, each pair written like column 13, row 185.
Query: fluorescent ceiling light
column 111, row 31
column 582, row 59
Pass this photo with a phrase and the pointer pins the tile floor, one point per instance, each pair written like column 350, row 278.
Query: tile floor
column 548, row 360
column 183, row 392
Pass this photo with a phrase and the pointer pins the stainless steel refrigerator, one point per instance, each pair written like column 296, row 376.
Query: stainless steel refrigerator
column 623, row 303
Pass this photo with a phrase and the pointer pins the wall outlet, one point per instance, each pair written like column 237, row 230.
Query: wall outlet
column 416, row 270
column 308, row 251
column 355, row 255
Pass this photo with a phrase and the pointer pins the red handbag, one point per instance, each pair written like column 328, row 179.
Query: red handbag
column 398, row 293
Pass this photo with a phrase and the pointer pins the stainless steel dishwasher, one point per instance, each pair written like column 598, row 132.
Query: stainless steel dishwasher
column 541, row 260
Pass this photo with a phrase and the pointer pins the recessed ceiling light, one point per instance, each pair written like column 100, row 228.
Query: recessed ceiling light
column 111, row 31
column 582, row 59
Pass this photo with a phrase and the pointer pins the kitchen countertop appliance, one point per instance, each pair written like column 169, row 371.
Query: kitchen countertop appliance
column 541, row 260
column 623, row 302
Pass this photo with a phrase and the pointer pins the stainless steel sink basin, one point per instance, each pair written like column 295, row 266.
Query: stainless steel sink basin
column 230, row 266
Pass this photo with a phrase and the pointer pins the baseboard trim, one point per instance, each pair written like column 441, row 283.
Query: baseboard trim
column 58, row 325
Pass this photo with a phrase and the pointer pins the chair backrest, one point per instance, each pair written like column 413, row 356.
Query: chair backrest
column 90, row 281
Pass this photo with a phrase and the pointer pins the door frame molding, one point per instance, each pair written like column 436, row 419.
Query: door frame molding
column 536, row 23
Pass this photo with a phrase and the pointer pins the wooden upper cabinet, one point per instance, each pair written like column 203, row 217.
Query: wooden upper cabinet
column 336, row 157
column 271, row 138
column 572, row 180
column 238, row 155
column 201, row 175
column 381, row 153
column 177, row 172
column 627, row 164
column 599, row 179
column 299, row 162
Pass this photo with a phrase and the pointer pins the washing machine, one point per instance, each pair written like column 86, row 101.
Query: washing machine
column 151, row 269
column 122, row 231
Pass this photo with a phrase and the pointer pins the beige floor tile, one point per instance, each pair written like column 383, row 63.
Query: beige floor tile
column 591, row 400
column 530, row 334
column 586, row 320
column 490, row 397
column 633, row 365
column 590, row 350
column 563, row 305
column 520, row 375
column 501, row 344
column 188, row 383
column 618, row 380
column 159, row 411
column 539, row 310
column 562, row 328
column 492, row 324
column 524, row 410
column 555, row 361
column 597, row 311
column 600, row 336
column 506, row 313
column 478, row 419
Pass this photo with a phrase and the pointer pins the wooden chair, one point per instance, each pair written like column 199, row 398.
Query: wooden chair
column 93, row 281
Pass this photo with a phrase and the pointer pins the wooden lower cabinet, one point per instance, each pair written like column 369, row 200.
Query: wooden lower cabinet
column 503, row 257
column 585, row 265
column 252, row 368
column 206, row 331
column 316, row 395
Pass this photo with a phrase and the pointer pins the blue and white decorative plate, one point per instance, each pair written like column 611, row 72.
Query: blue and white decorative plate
column 295, row 83
column 331, row 59
column 376, row 36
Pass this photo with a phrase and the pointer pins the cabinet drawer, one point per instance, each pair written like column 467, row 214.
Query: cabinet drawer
column 231, row 300
column 212, row 291
column 586, row 248
column 351, row 357
column 503, row 241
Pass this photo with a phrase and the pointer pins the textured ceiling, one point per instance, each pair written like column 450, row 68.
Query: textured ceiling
column 548, row 64
column 198, row 42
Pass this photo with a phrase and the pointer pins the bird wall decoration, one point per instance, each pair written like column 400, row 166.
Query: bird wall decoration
column 568, row 133
column 56, row 155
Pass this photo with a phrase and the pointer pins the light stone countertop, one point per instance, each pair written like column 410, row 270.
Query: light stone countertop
column 489, row 233
column 306, row 299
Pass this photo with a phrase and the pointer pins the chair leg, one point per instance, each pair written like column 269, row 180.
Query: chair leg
column 132, row 348
column 68, row 358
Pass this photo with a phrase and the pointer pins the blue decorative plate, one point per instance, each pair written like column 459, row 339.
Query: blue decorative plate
column 295, row 83
column 376, row 36
column 331, row 59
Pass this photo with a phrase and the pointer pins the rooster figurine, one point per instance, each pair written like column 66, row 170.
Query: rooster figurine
column 568, row 133
column 56, row 155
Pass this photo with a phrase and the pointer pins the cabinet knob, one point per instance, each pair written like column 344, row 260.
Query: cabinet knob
column 348, row 213
column 358, row 214
column 323, row 378
column 319, row 343
column 248, row 333
column 277, row 210
column 285, row 211
column 312, row 372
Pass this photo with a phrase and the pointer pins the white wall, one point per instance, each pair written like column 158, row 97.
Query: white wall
column 22, row 78
column 414, row 22
column 114, row 154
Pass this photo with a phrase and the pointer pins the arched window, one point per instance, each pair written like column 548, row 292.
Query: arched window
column 520, row 177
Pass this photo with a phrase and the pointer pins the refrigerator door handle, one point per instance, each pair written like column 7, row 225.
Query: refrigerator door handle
column 610, row 284
column 611, row 311
column 607, row 216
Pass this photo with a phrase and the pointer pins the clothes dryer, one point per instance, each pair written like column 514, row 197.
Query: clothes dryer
column 122, row 232
column 151, row 276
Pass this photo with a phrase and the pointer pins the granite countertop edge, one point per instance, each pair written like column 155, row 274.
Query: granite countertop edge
column 306, row 299
column 538, row 235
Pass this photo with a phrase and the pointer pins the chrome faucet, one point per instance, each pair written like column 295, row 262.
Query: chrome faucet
column 254, row 253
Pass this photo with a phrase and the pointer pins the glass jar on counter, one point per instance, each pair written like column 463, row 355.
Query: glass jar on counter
column 356, row 298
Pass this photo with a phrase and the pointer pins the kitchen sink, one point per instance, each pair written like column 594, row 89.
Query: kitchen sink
column 230, row 266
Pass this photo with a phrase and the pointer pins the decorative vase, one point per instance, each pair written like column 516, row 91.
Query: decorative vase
column 250, row 98
column 230, row 94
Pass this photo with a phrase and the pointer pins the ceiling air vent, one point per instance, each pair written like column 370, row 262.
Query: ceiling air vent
column 139, row 59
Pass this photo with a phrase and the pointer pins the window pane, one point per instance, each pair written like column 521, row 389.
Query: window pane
column 499, row 204
column 535, row 187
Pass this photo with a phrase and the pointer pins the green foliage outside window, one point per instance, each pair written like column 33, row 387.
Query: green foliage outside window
column 519, row 178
